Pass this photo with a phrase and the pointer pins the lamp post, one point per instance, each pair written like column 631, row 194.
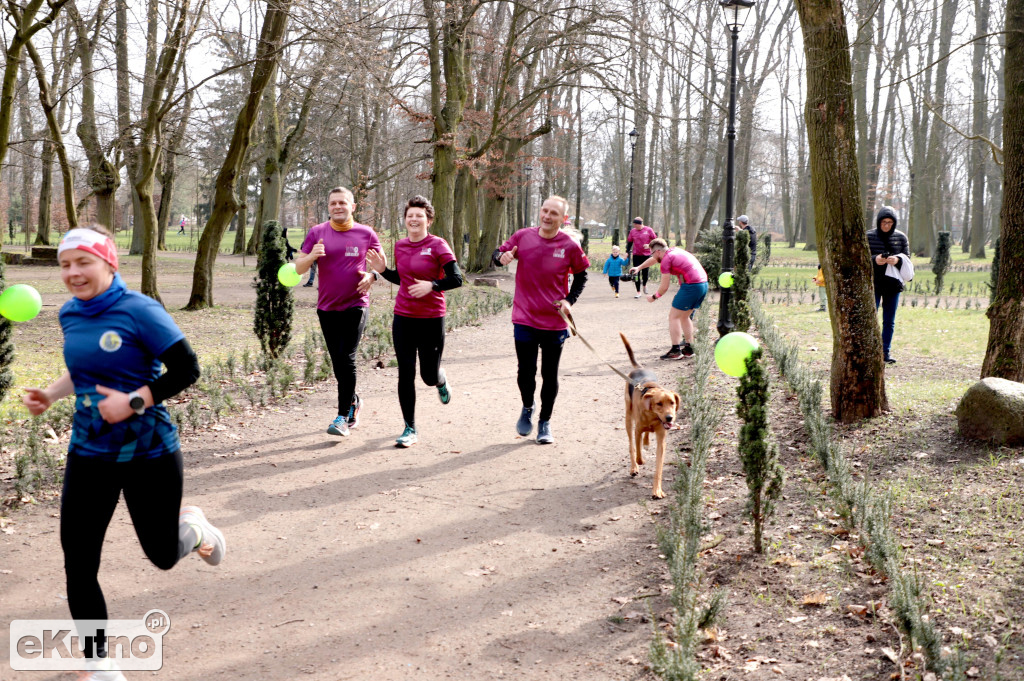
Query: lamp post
column 633, row 134
column 526, row 199
column 735, row 15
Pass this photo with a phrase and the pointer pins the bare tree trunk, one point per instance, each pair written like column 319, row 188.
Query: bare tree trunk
column 168, row 173
column 225, row 203
column 919, row 219
column 1004, row 356
column 979, row 150
column 104, row 177
column 239, row 247
column 858, row 379
column 28, row 160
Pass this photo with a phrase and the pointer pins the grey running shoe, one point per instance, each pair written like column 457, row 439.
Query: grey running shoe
column 525, row 424
column 544, row 436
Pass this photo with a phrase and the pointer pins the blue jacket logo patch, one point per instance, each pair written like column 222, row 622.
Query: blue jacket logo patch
column 110, row 341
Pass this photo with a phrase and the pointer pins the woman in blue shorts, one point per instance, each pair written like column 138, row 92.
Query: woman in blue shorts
column 693, row 287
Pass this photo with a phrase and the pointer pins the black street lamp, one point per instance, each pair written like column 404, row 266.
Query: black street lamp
column 633, row 134
column 526, row 199
column 735, row 14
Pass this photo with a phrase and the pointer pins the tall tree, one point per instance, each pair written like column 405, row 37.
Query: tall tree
column 26, row 25
column 158, row 97
column 55, row 114
column 1004, row 356
column 979, row 150
column 858, row 379
column 225, row 201
column 447, row 27
column 104, row 174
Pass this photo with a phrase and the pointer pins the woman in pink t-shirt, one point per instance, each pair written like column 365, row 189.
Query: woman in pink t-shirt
column 425, row 268
column 546, row 256
column 693, row 287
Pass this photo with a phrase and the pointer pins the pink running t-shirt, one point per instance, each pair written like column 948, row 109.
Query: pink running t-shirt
column 340, row 266
column 424, row 259
column 684, row 265
column 542, row 276
column 642, row 239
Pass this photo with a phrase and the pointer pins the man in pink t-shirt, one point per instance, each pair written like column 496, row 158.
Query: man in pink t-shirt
column 693, row 287
column 339, row 248
column 546, row 257
column 639, row 244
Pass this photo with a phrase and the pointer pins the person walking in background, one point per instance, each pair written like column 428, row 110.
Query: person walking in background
column 639, row 244
column 887, row 244
column 743, row 222
column 116, row 342
column 546, row 257
column 425, row 268
column 819, row 281
column 340, row 246
column 289, row 250
column 181, row 227
column 613, row 269
column 693, row 287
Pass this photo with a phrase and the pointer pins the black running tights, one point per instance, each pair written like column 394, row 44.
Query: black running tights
column 642, row 275
column 152, row 491
column 342, row 331
column 414, row 336
column 550, row 353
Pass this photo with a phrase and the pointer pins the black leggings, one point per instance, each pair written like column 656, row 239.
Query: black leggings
column 152, row 491
column 614, row 283
column 642, row 274
column 413, row 335
column 550, row 342
column 342, row 331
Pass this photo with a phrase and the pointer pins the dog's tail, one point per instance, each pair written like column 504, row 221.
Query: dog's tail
column 629, row 351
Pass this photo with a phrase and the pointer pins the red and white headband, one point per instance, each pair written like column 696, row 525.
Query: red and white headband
column 89, row 241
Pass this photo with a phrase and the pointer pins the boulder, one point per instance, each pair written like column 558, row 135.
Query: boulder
column 993, row 410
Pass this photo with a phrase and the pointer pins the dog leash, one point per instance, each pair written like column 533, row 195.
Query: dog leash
column 567, row 316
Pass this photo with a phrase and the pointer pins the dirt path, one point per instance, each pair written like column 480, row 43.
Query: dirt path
column 474, row 555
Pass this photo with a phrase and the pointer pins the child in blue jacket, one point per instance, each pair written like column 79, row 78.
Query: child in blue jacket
column 613, row 269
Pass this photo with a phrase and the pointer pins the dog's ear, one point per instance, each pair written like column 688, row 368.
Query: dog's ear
column 678, row 399
column 647, row 402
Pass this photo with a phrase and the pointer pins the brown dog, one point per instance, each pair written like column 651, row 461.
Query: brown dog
column 649, row 408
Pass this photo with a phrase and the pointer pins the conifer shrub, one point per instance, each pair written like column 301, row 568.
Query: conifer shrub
column 274, row 303
column 6, row 345
column 942, row 260
column 995, row 267
column 708, row 252
column 738, row 304
column 758, row 453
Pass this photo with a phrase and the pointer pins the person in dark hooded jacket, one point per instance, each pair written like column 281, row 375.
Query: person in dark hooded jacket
column 886, row 243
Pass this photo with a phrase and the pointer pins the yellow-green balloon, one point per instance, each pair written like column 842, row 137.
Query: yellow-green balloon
column 20, row 303
column 288, row 276
column 732, row 350
column 725, row 279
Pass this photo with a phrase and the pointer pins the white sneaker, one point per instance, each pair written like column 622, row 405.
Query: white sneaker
column 111, row 674
column 637, row 295
column 212, row 547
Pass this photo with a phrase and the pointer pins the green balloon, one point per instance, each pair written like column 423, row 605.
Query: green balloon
column 725, row 280
column 732, row 350
column 288, row 276
column 20, row 303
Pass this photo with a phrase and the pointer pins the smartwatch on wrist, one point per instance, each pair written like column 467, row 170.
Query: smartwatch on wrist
column 136, row 402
